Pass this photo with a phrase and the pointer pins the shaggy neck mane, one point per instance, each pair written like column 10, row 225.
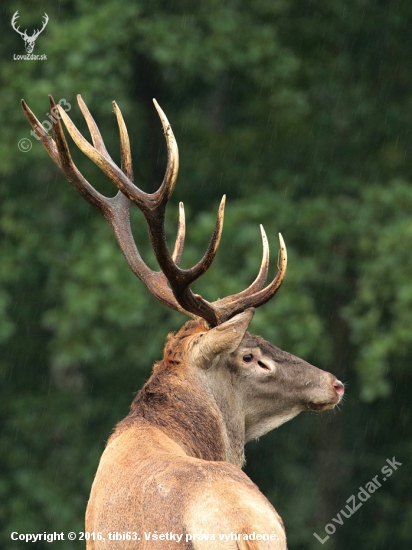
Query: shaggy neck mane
column 173, row 401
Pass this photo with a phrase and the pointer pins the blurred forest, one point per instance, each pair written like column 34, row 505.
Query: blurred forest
column 301, row 112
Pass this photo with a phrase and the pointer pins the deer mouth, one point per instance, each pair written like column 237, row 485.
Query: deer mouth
column 322, row 406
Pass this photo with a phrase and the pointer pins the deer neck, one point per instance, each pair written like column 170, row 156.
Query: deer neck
column 219, row 389
column 193, row 410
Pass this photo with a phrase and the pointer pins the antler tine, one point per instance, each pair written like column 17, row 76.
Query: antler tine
column 93, row 129
column 203, row 265
column 180, row 239
column 125, row 150
column 260, row 280
column 256, row 299
column 172, row 168
column 13, row 23
column 45, row 138
column 264, row 266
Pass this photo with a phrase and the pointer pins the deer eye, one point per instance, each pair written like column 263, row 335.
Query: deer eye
column 248, row 358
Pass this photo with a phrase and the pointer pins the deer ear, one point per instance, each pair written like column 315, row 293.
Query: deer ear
column 224, row 338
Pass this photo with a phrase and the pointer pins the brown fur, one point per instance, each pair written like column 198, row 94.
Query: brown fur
column 173, row 403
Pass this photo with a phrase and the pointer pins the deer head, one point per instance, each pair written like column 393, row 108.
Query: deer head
column 29, row 41
column 235, row 386
column 217, row 386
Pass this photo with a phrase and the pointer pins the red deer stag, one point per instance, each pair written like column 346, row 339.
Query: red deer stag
column 170, row 476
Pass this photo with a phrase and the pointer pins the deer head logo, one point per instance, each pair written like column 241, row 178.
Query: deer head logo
column 29, row 41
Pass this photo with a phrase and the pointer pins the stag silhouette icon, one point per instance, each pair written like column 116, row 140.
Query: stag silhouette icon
column 29, row 41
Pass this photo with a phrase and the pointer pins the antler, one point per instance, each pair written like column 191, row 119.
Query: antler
column 116, row 210
column 13, row 24
column 36, row 33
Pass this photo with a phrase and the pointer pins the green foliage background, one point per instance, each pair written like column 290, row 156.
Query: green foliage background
column 301, row 112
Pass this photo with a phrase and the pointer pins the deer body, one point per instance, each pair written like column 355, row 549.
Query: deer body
column 181, row 448
column 173, row 465
column 171, row 491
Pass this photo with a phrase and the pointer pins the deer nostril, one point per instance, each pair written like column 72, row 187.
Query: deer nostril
column 339, row 388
